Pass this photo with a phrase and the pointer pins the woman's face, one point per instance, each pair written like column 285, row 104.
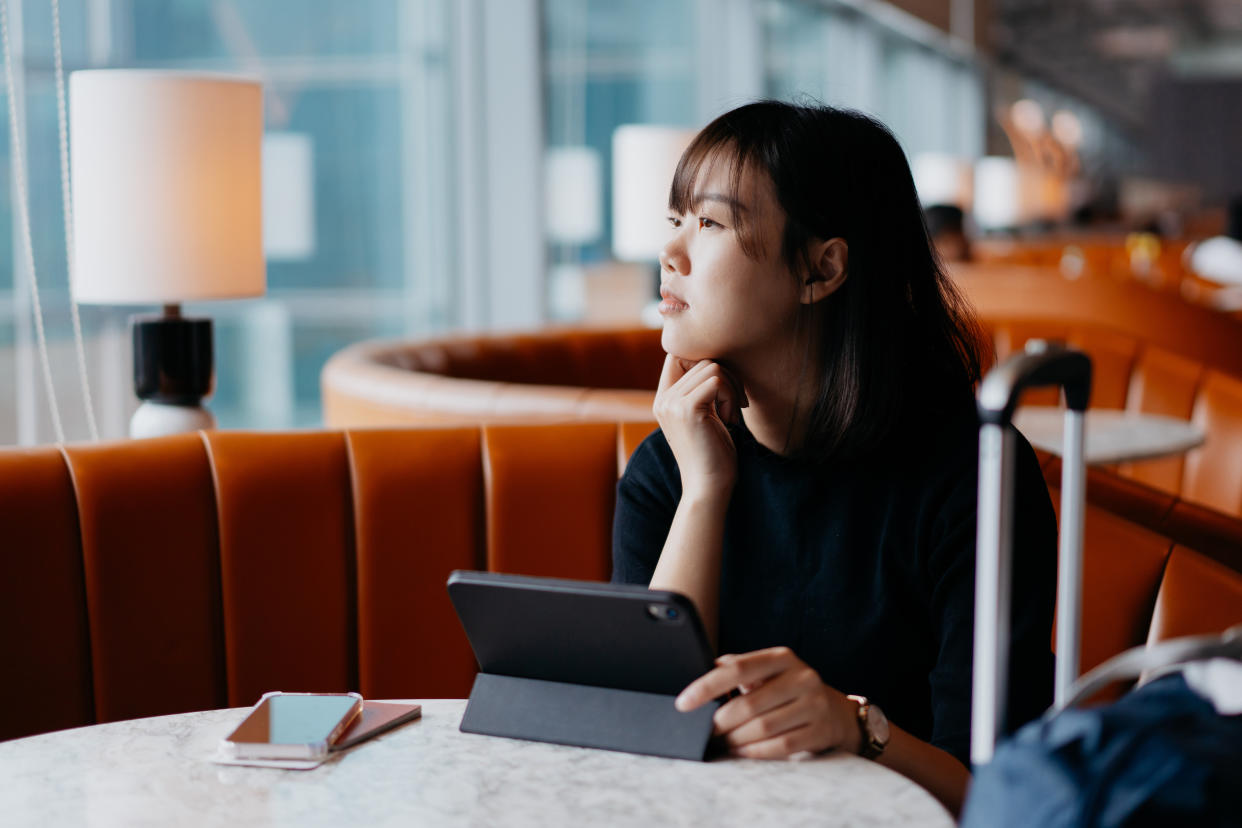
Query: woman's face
column 718, row 302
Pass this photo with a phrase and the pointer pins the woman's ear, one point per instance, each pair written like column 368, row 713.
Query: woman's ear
column 829, row 267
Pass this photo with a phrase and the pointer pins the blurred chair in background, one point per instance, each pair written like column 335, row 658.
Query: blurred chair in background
column 946, row 225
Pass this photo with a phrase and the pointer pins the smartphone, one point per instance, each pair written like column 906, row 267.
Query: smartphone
column 293, row 725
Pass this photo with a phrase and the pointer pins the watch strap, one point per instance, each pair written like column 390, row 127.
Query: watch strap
column 869, row 746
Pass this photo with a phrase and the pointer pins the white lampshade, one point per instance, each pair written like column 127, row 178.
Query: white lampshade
column 167, row 186
column 574, row 189
column 942, row 179
column 997, row 200
column 644, row 158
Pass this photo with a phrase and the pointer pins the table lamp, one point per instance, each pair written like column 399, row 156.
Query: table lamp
column 943, row 179
column 997, row 196
column 573, row 184
column 167, row 208
column 644, row 158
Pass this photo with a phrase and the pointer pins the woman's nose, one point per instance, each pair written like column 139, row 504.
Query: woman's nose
column 673, row 258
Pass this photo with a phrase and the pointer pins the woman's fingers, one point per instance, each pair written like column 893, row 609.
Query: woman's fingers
column 788, row 716
column 702, row 389
column 694, row 401
column 673, row 370
column 694, row 374
column 772, row 694
column 678, row 372
column 799, row 739
column 789, row 709
column 710, row 374
column 737, row 393
column 735, row 671
column 710, row 397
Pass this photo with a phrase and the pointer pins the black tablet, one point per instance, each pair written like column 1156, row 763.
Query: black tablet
column 581, row 632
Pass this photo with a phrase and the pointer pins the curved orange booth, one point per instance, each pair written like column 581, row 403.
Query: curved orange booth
column 198, row 571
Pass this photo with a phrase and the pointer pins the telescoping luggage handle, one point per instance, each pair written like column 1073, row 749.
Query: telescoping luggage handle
column 1042, row 364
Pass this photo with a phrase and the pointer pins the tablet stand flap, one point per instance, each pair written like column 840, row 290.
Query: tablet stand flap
column 578, row 714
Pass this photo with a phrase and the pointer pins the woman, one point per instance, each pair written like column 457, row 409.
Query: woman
column 812, row 486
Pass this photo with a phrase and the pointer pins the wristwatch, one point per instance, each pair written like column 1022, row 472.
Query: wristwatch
column 873, row 725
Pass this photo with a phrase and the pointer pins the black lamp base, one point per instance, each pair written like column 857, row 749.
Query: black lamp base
column 173, row 361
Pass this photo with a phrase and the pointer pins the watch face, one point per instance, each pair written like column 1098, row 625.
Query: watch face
column 877, row 723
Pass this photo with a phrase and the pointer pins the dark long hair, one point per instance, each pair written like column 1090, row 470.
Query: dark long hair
column 897, row 334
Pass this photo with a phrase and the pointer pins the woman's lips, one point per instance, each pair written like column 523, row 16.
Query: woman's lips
column 671, row 302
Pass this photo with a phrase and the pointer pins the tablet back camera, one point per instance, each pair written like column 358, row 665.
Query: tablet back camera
column 665, row 613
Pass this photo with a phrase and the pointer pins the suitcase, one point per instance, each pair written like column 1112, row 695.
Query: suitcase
column 1041, row 364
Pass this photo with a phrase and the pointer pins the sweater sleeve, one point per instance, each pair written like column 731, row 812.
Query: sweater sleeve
column 1033, row 583
column 647, row 497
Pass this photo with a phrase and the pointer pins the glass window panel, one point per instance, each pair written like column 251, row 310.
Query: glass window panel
column 608, row 63
column 176, row 30
column 355, row 139
column 37, row 39
column 846, row 58
column 8, row 220
column 798, row 51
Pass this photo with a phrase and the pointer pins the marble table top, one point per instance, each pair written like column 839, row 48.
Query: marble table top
column 1110, row 436
column 155, row 772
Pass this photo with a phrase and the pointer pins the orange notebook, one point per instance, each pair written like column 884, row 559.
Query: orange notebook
column 376, row 718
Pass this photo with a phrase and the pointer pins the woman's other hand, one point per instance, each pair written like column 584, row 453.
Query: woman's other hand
column 694, row 403
column 784, row 707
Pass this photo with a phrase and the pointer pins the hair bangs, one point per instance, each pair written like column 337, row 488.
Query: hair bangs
column 717, row 144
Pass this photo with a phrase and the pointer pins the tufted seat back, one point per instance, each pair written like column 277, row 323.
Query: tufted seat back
column 199, row 571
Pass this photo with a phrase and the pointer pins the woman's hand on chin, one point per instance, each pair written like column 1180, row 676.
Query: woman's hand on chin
column 785, row 708
column 693, row 404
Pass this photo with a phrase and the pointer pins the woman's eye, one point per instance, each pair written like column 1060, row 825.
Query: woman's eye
column 705, row 223
column 674, row 221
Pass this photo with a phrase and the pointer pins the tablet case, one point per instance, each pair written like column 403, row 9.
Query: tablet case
column 583, row 663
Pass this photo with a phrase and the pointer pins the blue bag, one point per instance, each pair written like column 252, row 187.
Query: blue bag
column 1162, row 755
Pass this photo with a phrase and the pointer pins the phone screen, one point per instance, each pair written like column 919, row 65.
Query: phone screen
column 294, row 719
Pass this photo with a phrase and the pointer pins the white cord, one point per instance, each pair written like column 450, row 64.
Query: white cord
column 23, row 212
column 63, row 125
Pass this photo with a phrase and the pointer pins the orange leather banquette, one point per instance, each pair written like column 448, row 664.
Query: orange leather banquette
column 554, row 375
column 1152, row 352
column 1142, row 257
column 1043, row 297
column 1163, row 264
column 198, row 571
